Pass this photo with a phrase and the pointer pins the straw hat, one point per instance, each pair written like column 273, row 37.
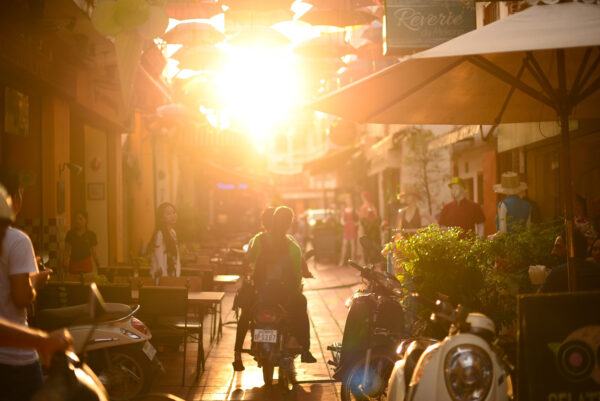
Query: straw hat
column 510, row 184
column 409, row 190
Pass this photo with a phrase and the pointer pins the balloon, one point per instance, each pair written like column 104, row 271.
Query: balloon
column 155, row 25
column 130, row 14
column 103, row 18
column 128, row 45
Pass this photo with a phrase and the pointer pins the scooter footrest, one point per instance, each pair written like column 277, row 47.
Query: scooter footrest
column 332, row 363
column 334, row 347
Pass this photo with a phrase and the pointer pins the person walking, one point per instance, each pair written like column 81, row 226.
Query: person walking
column 80, row 246
column 349, row 220
column 163, row 247
column 20, row 370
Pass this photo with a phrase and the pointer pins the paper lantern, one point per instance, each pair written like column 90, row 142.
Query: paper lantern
column 155, row 25
column 103, row 18
column 130, row 14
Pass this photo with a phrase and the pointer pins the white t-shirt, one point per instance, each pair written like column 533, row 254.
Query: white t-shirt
column 17, row 258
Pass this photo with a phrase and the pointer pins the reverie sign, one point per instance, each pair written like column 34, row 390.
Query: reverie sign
column 414, row 25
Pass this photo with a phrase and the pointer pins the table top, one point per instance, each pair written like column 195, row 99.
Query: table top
column 195, row 297
column 226, row 278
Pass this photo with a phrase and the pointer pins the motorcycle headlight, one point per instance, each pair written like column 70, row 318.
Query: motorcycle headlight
column 468, row 372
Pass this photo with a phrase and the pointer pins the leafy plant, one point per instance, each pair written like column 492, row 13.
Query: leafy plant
column 484, row 275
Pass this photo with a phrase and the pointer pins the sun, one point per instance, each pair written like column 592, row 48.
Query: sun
column 260, row 88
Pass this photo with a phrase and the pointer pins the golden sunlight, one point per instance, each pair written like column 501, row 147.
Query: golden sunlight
column 259, row 87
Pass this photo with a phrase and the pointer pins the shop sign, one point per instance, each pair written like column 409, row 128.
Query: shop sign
column 559, row 347
column 414, row 25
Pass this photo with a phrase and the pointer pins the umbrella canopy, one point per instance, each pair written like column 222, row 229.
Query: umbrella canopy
column 186, row 9
column 258, row 5
column 259, row 36
column 193, row 33
column 339, row 17
column 457, row 82
column 535, row 65
column 200, row 58
column 342, row 4
column 324, row 46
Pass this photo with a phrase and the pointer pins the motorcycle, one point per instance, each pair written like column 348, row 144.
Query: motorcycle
column 374, row 327
column 272, row 342
column 116, row 345
column 466, row 365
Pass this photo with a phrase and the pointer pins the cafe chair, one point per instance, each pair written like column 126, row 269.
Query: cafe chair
column 164, row 310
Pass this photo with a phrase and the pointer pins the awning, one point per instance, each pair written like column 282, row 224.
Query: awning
column 456, row 135
column 330, row 161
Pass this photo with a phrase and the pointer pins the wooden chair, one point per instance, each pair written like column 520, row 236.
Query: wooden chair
column 167, row 281
column 164, row 309
column 195, row 284
column 117, row 293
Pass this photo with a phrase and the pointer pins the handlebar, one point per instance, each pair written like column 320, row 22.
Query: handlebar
column 441, row 309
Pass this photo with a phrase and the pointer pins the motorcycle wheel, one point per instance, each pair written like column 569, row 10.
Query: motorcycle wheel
column 267, row 371
column 128, row 375
column 351, row 388
column 287, row 374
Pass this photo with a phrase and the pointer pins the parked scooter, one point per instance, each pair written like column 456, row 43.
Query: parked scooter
column 116, row 345
column 70, row 379
column 374, row 327
column 466, row 365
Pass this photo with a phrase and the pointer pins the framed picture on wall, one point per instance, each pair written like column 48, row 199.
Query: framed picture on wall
column 96, row 191
column 16, row 112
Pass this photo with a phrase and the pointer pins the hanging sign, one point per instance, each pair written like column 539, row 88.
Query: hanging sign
column 415, row 25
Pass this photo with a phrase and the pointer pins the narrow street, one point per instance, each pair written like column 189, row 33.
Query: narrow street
column 326, row 295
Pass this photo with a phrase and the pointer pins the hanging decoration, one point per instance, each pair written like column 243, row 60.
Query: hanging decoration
column 130, row 22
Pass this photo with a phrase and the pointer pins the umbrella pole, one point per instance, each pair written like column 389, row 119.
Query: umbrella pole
column 565, row 168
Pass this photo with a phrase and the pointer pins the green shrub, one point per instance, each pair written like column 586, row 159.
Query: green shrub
column 484, row 275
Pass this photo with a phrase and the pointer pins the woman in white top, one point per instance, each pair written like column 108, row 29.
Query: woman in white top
column 163, row 247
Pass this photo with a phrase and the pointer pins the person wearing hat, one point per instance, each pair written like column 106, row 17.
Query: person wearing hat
column 20, row 369
column 512, row 209
column 461, row 212
column 410, row 218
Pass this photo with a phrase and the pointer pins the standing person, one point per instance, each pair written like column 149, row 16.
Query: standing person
column 513, row 209
column 369, row 226
column 20, row 370
column 163, row 247
column 461, row 212
column 80, row 246
column 410, row 217
column 349, row 220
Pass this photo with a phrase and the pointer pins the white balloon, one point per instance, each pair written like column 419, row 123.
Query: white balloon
column 155, row 25
column 103, row 18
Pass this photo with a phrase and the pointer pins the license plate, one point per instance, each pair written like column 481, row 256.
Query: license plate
column 149, row 350
column 265, row 336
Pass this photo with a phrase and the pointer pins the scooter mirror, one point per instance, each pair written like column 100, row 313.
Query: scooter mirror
column 44, row 257
column 96, row 303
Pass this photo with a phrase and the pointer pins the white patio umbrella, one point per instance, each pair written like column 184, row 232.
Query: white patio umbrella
column 538, row 64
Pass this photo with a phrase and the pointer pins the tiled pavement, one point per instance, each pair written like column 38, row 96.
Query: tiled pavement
column 326, row 295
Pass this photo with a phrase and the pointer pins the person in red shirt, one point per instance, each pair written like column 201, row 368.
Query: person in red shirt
column 461, row 212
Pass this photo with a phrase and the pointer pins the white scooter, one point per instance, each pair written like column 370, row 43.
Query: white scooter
column 466, row 366
column 118, row 350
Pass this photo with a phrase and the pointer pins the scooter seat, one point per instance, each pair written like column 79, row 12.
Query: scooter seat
column 56, row 318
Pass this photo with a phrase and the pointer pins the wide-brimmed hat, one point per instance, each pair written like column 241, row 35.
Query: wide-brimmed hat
column 510, row 184
column 409, row 190
column 457, row 180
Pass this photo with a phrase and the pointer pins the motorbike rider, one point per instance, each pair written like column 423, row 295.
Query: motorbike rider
column 277, row 257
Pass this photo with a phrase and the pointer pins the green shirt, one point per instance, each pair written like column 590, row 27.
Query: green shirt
column 262, row 240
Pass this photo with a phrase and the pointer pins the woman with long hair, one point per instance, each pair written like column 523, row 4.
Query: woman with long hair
column 163, row 248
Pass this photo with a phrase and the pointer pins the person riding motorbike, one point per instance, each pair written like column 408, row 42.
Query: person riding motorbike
column 277, row 257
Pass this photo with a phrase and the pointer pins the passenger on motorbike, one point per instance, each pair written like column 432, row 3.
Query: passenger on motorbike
column 278, row 258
